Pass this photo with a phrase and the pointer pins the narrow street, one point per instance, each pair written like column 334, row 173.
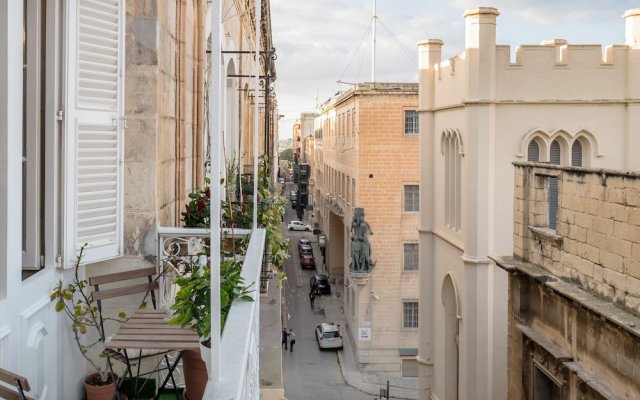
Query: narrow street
column 309, row 373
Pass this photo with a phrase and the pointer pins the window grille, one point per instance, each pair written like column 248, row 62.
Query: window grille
column 410, row 314
column 411, row 257
column 576, row 154
column 533, row 152
column 411, row 124
column 411, row 198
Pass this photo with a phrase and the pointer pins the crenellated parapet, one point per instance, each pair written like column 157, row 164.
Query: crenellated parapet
column 553, row 70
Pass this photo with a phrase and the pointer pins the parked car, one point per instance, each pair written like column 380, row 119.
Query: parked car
column 294, row 203
column 298, row 226
column 307, row 261
column 303, row 242
column 293, row 195
column 328, row 336
column 305, row 249
column 320, row 284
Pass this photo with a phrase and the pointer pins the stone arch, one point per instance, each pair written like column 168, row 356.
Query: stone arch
column 452, row 316
column 541, row 137
column 564, row 140
column 590, row 145
column 454, row 135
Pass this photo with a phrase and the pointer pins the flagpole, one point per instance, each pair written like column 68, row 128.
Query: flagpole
column 215, row 151
column 256, row 110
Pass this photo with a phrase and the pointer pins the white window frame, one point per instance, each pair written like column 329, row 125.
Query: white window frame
column 405, row 322
column 411, row 122
column 415, row 203
column 33, row 127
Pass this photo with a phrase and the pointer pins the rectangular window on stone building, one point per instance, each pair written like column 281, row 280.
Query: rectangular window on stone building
column 553, row 201
column 410, row 368
column 410, row 314
column 411, row 256
column 545, row 388
column 411, row 124
column 411, row 198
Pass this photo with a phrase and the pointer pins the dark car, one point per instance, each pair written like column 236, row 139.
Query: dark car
column 320, row 284
column 294, row 203
column 305, row 249
column 307, row 261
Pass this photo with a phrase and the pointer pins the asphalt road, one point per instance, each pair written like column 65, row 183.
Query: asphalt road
column 309, row 373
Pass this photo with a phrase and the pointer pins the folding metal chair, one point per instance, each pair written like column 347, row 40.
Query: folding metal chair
column 19, row 382
column 122, row 355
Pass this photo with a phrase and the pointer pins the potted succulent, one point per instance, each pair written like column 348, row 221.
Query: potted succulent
column 74, row 299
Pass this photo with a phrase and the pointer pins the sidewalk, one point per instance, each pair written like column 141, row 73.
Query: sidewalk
column 399, row 388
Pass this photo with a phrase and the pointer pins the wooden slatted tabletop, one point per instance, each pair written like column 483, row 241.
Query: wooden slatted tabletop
column 149, row 329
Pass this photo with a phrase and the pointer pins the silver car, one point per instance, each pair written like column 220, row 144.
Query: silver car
column 328, row 336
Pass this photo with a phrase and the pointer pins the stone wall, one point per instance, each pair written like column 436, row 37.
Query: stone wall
column 163, row 151
column 365, row 162
column 596, row 244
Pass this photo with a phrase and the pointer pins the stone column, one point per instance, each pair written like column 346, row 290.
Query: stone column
column 430, row 52
column 632, row 35
column 483, row 324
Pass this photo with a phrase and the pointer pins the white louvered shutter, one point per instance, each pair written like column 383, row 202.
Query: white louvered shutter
column 94, row 129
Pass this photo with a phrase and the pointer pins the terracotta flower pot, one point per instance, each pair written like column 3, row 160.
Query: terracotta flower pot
column 99, row 392
column 195, row 375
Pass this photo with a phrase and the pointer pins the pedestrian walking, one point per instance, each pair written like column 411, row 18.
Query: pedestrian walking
column 285, row 338
column 292, row 339
column 312, row 297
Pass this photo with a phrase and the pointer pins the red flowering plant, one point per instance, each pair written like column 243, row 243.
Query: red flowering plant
column 197, row 212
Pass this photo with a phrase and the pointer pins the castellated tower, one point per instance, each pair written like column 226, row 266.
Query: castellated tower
column 555, row 102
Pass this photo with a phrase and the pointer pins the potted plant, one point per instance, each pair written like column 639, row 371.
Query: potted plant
column 74, row 299
column 193, row 307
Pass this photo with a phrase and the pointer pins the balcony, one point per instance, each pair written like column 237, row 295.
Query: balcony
column 239, row 344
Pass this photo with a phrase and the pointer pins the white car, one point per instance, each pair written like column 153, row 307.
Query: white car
column 328, row 336
column 298, row 226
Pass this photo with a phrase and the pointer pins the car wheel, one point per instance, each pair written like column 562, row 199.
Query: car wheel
column 307, row 229
column 290, row 228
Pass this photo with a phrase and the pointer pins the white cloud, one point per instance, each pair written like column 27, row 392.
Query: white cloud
column 316, row 39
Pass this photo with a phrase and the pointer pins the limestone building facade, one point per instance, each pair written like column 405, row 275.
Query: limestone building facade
column 114, row 92
column 480, row 111
column 574, row 284
column 365, row 155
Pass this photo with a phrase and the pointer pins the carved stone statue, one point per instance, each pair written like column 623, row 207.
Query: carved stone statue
column 360, row 247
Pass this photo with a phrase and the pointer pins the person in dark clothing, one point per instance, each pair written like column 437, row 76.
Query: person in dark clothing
column 292, row 339
column 312, row 297
column 285, row 338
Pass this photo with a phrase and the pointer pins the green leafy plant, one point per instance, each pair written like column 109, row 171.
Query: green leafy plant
column 193, row 301
column 74, row 299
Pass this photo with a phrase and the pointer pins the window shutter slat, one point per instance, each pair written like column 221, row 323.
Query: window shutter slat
column 95, row 103
column 554, row 154
column 576, row 154
column 553, row 202
column 533, row 152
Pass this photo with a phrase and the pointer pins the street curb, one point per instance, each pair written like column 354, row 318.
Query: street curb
column 368, row 388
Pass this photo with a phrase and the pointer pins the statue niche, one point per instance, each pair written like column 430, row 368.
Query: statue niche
column 360, row 247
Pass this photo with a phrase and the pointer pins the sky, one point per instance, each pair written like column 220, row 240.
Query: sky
column 319, row 42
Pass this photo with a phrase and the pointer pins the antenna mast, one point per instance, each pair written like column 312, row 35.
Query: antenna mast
column 373, row 52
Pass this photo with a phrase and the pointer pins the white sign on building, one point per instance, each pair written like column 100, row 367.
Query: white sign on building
column 364, row 334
